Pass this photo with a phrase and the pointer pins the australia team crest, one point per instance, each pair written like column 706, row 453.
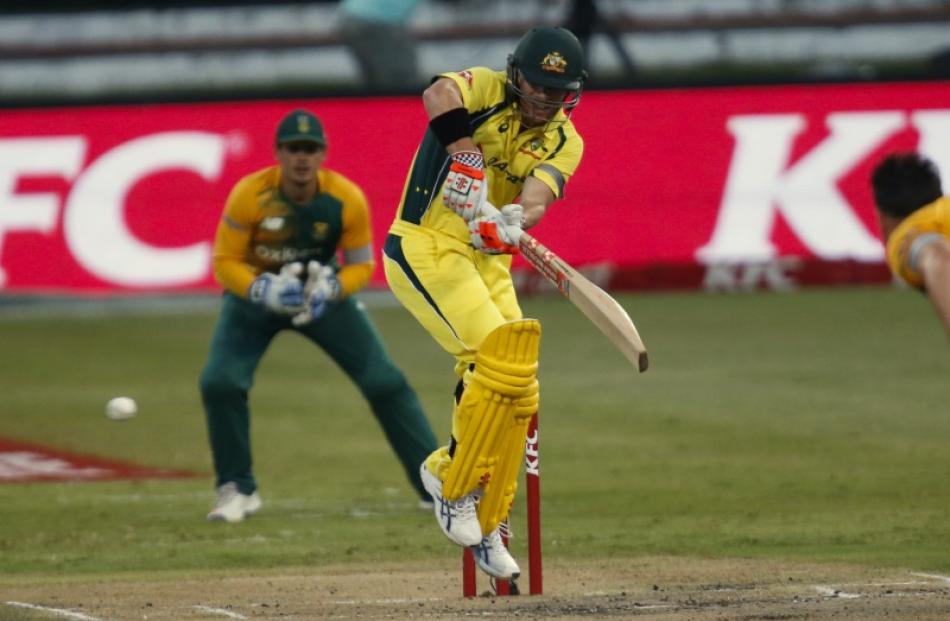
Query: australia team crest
column 554, row 63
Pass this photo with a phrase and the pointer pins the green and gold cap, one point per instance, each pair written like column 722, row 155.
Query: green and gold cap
column 301, row 126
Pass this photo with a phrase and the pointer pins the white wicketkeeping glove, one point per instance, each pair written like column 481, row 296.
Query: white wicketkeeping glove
column 497, row 232
column 280, row 293
column 321, row 289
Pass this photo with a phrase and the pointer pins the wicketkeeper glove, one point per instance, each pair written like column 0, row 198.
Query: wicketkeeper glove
column 321, row 289
column 465, row 186
column 497, row 232
column 280, row 293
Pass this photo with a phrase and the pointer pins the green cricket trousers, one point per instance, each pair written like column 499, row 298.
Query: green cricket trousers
column 345, row 332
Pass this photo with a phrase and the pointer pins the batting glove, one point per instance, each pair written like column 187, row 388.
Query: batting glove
column 497, row 232
column 280, row 293
column 321, row 289
column 465, row 186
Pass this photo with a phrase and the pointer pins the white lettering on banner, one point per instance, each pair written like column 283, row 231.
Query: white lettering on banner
column 806, row 194
column 934, row 129
column 775, row 275
column 94, row 223
column 39, row 157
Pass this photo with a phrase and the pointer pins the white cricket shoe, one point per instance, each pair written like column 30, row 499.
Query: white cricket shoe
column 492, row 557
column 232, row 505
column 456, row 518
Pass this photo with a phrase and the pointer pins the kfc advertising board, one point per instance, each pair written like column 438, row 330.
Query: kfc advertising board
column 725, row 188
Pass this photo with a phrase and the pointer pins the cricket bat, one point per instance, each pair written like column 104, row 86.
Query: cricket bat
column 596, row 304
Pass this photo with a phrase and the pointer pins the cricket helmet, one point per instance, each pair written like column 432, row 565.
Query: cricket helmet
column 550, row 57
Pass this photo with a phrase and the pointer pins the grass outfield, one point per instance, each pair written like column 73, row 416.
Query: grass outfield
column 809, row 426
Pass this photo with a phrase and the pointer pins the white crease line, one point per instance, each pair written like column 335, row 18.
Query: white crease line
column 886, row 584
column 220, row 611
column 945, row 579
column 400, row 600
column 56, row 611
column 829, row 592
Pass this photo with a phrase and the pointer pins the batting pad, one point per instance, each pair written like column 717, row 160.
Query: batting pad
column 489, row 423
column 500, row 490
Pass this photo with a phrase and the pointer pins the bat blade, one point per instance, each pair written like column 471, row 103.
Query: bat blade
column 595, row 303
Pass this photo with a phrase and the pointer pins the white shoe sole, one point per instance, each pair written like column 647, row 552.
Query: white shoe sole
column 509, row 573
column 253, row 505
column 220, row 517
column 501, row 575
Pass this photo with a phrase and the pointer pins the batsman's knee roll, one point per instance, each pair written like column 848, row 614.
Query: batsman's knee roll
column 492, row 417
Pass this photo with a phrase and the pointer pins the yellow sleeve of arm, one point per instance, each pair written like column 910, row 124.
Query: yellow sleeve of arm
column 356, row 242
column 477, row 86
column 556, row 172
column 232, row 240
column 354, row 277
column 905, row 241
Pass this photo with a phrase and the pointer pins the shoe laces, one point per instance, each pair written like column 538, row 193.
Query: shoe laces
column 464, row 507
column 495, row 537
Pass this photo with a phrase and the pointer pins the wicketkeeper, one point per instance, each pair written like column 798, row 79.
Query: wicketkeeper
column 499, row 149
column 275, row 253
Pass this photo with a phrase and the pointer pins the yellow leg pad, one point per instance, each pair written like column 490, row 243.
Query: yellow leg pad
column 505, row 368
column 500, row 490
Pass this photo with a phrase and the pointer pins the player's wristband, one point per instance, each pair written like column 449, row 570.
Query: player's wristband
column 451, row 126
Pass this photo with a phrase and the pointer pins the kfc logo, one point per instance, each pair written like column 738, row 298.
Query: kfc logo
column 532, row 458
column 760, row 183
column 94, row 223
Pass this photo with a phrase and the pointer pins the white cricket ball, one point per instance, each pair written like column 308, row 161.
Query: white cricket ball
column 121, row 408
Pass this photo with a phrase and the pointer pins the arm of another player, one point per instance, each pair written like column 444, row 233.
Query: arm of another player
column 231, row 242
column 934, row 261
column 356, row 242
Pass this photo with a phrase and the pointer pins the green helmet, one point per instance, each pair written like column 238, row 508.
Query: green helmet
column 549, row 56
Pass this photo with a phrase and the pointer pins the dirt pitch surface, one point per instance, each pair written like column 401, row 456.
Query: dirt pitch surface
column 665, row 589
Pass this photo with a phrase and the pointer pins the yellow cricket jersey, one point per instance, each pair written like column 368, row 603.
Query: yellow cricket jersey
column 261, row 230
column 551, row 153
column 901, row 248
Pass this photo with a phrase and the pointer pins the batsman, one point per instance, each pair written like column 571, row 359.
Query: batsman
column 498, row 151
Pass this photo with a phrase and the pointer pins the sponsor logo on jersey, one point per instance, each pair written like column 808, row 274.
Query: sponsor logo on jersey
column 283, row 254
column 497, row 164
column 534, row 145
column 467, row 75
column 321, row 230
column 272, row 223
column 554, row 62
